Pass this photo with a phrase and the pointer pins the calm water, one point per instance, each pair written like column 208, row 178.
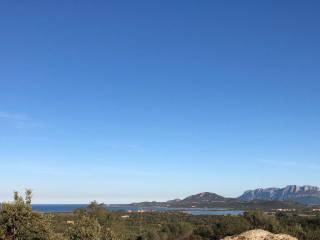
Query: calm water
column 47, row 208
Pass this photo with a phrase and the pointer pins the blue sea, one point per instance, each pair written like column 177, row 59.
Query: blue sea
column 66, row 208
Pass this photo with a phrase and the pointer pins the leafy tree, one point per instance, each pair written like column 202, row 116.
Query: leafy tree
column 19, row 222
column 205, row 231
column 108, row 234
column 261, row 220
column 181, row 230
column 97, row 210
column 85, row 228
column 149, row 235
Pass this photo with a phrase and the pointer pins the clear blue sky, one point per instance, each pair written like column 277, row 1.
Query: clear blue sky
column 124, row 101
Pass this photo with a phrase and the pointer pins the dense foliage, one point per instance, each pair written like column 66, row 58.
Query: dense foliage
column 19, row 222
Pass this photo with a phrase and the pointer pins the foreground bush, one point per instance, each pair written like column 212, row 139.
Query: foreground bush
column 85, row 228
column 19, row 222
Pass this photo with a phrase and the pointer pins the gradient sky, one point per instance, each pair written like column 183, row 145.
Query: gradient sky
column 123, row 101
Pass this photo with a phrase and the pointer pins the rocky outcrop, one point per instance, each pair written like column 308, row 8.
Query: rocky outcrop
column 260, row 235
column 300, row 194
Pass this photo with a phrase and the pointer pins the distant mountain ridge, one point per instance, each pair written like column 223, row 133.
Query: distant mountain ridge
column 301, row 194
column 291, row 196
column 200, row 199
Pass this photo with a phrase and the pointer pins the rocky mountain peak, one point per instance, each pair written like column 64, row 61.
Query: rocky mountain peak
column 303, row 194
